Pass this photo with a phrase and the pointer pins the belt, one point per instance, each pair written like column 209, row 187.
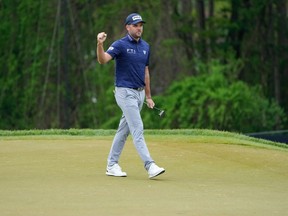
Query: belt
column 139, row 89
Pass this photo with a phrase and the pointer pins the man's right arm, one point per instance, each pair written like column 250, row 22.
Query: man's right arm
column 102, row 56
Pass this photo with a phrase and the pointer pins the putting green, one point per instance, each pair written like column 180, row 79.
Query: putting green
column 65, row 175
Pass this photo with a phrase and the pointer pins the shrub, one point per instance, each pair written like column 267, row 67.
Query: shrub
column 212, row 102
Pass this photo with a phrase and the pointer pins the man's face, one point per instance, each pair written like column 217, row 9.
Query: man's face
column 135, row 30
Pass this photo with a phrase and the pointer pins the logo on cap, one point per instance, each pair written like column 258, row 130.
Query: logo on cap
column 137, row 17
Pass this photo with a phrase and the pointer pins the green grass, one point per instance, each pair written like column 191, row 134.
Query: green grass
column 204, row 133
column 62, row 172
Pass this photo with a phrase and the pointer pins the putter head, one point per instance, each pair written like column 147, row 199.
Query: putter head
column 161, row 113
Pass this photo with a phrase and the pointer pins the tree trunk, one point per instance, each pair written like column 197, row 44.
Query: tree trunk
column 200, row 7
column 211, row 8
column 64, row 68
column 281, row 75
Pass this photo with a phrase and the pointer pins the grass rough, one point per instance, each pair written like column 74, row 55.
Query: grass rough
column 166, row 132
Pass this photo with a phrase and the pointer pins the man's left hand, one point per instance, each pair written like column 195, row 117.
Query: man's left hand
column 150, row 103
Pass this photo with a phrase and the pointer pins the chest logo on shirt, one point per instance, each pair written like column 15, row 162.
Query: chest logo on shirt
column 131, row 51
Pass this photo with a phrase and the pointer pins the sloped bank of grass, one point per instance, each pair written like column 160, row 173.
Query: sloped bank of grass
column 203, row 134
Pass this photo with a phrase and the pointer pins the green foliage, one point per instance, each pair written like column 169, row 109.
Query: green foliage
column 211, row 101
column 50, row 77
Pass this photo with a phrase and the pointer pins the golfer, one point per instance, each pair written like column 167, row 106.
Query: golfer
column 132, row 85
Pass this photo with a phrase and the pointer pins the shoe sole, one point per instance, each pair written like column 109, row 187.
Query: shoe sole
column 157, row 174
column 111, row 174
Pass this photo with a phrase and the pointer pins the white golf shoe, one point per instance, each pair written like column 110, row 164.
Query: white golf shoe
column 115, row 170
column 154, row 170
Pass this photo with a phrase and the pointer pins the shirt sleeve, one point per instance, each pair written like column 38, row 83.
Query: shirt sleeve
column 114, row 49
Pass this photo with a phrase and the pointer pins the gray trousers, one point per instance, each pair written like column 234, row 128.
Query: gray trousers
column 130, row 101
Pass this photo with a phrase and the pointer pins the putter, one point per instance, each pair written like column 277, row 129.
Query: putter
column 161, row 112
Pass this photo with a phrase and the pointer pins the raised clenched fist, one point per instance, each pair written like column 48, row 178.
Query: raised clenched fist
column 101, row 37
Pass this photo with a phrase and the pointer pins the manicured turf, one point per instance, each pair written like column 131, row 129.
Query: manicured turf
column 65, row 175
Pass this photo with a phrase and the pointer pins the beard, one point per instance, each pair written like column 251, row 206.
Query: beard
column 136, row 35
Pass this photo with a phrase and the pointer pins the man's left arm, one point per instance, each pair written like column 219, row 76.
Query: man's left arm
column 150, row 102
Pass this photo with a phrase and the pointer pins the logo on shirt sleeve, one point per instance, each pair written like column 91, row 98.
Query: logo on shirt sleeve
column 111, row 48
column 144, row 51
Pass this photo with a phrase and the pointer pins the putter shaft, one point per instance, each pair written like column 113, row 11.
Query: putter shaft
column 161, row 112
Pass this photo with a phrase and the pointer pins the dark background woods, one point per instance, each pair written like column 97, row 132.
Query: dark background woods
column 214, row 64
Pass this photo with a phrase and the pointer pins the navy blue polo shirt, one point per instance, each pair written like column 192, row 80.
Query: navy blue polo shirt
column 131, row 59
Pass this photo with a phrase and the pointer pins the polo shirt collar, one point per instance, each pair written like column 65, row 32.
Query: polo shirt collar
column 131, row 39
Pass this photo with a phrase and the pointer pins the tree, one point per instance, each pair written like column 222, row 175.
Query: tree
column 50, row 77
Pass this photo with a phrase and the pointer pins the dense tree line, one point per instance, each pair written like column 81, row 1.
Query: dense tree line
column 50, row 77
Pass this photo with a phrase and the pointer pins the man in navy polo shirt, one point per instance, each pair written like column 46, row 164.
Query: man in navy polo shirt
column 132, row 85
